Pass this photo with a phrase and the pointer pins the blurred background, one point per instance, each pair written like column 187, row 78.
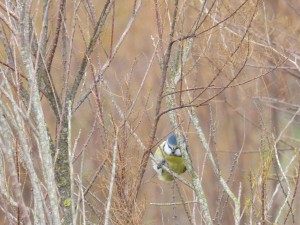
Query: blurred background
column 242, row 73
column 241, row 123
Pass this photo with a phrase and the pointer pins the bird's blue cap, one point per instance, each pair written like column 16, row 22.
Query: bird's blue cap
column 172, row 140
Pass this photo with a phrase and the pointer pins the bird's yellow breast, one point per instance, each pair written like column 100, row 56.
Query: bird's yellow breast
column 175, row 163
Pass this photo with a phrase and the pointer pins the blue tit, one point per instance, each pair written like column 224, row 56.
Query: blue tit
column 168, row 154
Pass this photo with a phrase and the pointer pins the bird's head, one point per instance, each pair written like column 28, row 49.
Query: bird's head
column 171, row 146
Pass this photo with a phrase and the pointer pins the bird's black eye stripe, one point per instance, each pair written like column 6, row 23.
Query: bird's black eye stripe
column 174, row 149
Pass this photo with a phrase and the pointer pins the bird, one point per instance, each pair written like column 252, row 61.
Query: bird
column 168, row 154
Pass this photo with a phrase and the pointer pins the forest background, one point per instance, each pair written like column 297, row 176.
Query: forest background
column 90, row 88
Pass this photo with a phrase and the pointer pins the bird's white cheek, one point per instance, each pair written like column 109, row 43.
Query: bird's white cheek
column 178, row 152
column 167, row 150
